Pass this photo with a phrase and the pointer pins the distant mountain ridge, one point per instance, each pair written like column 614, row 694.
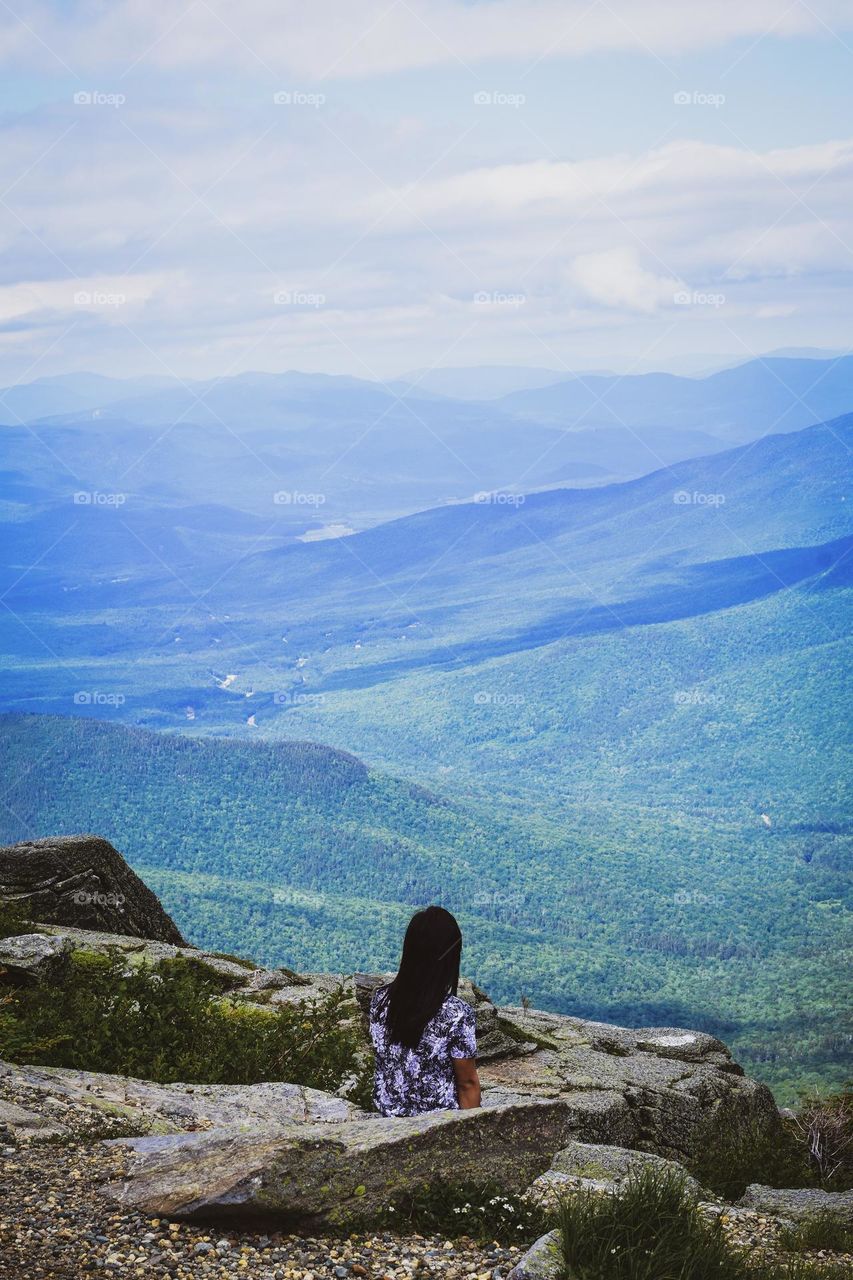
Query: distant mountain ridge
column 348, row 453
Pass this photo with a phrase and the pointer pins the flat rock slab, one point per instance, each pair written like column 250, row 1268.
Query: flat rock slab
column 799, row 1203
column 32, row 952
column 17, row 1122
column 304, row 1176
column 68, row 1100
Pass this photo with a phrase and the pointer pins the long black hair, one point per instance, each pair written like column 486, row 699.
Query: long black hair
column 428, row 973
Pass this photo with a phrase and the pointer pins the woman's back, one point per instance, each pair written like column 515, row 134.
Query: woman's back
column 411, row 1081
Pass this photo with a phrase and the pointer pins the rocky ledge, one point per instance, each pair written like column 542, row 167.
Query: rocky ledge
column 568, row 1104
column 82, row 880
column 661, row 1089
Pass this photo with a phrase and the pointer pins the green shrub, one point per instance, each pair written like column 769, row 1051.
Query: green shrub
column 170, row 1022
column 744, row 1151
column 811, row 1148
column 14, row 918
column 653, row 1230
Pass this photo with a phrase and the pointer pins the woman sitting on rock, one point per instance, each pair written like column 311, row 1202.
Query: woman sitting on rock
column 422, row 1032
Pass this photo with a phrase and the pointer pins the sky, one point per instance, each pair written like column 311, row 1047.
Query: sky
column 200, row 189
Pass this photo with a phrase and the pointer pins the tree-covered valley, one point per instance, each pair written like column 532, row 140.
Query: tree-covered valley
column 606, row 726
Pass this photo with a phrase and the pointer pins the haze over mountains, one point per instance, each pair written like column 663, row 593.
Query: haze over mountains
column 615, row 695
column 344, row 452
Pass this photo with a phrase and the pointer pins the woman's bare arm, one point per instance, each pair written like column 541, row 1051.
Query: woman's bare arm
column 467, row 1082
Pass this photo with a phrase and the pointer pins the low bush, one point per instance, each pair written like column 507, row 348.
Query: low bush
column 653, row 1230
column 170, row 1022
column 823, row 1128
column 14, row 918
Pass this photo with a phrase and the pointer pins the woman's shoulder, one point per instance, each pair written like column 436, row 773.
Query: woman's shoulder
column 457, row 1008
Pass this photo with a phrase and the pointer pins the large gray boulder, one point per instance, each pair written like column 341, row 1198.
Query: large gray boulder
column 31, row 955
column 39, row 1100
column 661, row 1089
column 798, row 1204
column 83, row 881
column 590, row 1166
column 543, row 1260
column 306, row 1176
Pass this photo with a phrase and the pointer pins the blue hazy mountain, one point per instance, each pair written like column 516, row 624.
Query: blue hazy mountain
column 66, row 393
column 479, row 382
column 738, row 404
column 453, row 586
column 357, row 453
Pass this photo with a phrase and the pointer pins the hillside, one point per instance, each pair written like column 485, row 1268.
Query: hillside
column 286, row 849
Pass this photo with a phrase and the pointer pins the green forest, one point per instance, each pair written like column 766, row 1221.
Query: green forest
column 298, row 854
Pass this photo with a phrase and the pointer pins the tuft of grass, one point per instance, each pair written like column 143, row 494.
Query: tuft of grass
column 820, row 1231
column 653, row 1230
column 744, row 1151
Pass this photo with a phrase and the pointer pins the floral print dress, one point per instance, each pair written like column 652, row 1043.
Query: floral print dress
column 407, row 1081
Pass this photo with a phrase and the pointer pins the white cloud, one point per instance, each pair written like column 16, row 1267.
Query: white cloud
column 616, row 278
column 334, row 38
column 197, row 198
column 100, row 295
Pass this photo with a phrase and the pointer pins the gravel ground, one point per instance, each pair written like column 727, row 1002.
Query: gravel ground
column 54, row 1223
